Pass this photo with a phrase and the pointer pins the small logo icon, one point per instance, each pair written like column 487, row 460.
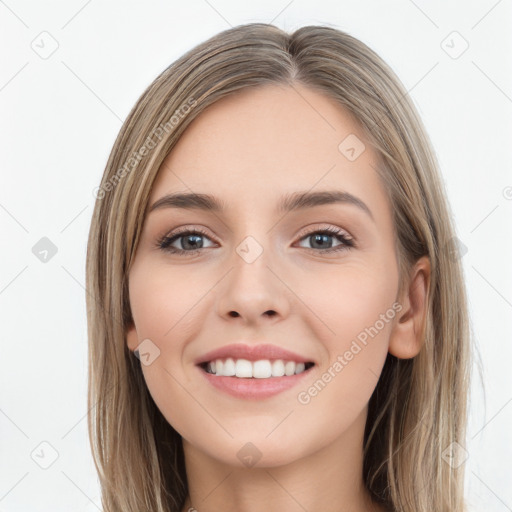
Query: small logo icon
column 45, row 45
column 249, row 249
column 455, row 455
column 249, row 455
column 147, row 352
column 456, row 249
column 507, row 193
column 454, row 45
column 351, row 147
column 98, row 193
column 44, row 455
column 44, row 250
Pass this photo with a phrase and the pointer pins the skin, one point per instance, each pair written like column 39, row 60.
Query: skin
column 249, row 149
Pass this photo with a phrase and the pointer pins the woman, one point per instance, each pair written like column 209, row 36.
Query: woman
column 277, row 316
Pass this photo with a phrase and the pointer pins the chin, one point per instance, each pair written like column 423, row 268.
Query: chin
column 253, row 451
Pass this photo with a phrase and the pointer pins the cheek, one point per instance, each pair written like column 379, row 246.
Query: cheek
column 165, row 308
column 162, row 304
column 356, row 307
column 351, row 298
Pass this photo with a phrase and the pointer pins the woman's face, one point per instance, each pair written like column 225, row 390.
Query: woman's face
column 265, row 276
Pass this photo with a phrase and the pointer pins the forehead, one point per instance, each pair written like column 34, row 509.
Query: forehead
column 255, row 146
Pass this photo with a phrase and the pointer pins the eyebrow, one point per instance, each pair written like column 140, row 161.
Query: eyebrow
column 290, row 202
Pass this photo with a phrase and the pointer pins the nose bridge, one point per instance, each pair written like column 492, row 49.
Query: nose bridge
column 251, row 288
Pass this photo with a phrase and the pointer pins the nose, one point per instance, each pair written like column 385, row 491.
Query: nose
column 253, row 292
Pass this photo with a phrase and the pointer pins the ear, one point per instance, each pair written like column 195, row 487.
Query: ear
column 406, row 337
column 132, row 339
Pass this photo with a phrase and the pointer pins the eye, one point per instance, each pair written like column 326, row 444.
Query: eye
column 319, row 238
column 191, row 241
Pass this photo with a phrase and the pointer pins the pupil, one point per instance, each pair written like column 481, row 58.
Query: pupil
column 319, row 238
column 194, row 244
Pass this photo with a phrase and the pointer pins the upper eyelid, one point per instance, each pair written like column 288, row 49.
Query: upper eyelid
column 303, row 232
column 334, row 230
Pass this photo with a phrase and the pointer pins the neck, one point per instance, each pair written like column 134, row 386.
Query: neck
column 327, row 480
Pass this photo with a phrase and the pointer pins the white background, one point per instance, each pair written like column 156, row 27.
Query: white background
column 59, row 118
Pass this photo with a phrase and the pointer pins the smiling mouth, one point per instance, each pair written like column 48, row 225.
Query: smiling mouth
column 261, row 369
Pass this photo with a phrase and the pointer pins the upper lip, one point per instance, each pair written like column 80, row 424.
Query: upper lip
column 252, row 353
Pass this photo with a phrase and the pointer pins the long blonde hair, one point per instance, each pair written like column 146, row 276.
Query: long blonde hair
column 418, row 409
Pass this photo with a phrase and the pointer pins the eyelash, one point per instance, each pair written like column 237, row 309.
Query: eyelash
column 164, row 243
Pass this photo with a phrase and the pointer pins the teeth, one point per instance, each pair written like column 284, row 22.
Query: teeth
column 289, row 368
column 262, row 369
column 243, row 368
column 299, row 367
column 228, row 369
column 277, row 368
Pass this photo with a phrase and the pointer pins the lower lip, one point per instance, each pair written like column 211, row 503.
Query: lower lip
column 251, row 388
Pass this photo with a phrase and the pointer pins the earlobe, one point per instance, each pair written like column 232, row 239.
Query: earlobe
column 407, row 335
